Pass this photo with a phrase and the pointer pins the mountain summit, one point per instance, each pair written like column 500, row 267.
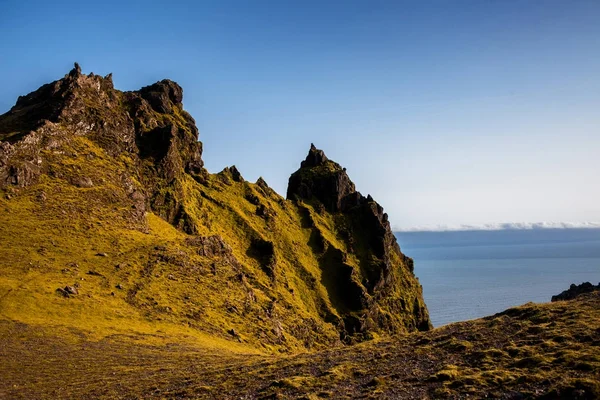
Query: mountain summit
column 110, row 190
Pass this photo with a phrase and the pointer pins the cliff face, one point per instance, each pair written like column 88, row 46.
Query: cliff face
column 373, row 282
column 85, row 170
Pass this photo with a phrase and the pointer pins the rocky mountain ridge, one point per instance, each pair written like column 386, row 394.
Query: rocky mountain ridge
column 237, row 260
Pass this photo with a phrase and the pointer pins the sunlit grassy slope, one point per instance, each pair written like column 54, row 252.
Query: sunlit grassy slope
column 269, row 285
column 148, row 277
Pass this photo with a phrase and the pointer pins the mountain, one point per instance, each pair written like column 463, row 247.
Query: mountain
column 129, row 271
column 108, row 210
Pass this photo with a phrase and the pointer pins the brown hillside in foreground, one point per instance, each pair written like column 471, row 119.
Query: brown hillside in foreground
column 537, row 351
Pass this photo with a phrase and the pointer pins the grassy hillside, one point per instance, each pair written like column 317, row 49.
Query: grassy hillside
column 129, row 278
column 111, row 225
column 537, row 351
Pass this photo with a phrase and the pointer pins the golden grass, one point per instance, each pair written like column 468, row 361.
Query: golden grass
column 504, row 358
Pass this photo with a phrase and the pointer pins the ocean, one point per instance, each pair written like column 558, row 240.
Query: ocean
column 472, row 274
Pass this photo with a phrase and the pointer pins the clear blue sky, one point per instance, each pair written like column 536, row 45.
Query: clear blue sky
column 449, row 112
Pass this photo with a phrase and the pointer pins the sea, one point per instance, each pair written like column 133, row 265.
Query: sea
column 472, row 274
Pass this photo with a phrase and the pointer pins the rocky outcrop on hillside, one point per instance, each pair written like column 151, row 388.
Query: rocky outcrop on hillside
column 381, row 290
column 575, row 290
column 310, row 271
column 149, row 126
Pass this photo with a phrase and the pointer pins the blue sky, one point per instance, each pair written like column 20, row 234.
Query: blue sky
column 447, row 112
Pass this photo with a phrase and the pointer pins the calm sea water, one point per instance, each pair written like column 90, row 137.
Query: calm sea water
column 471, row 274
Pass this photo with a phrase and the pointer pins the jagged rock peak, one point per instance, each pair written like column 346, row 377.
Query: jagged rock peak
column 233, row 173
column 262, row 183
column 314, row 158
column 148, row 124
column 162, row 94
column 322, row 179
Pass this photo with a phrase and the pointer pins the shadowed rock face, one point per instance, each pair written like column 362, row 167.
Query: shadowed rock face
column 323, row 179
column 385, row 294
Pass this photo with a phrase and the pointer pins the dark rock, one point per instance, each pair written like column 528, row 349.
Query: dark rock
column 261, row 210
column 265, row 212
column 71, row 290
column 261, row 183
column 315, row 158
column 156, row 143
column 266, row 190
column 119, row 286
column 233, row 173
column 214, row 247
column 83, row 182
column 94, row 273
column 320, row 178
column 576, row 290
column 162, row 95
column 252, row 199
column 67, row 291
column 264, row 252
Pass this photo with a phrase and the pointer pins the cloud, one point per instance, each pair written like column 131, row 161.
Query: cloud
column 502, row 226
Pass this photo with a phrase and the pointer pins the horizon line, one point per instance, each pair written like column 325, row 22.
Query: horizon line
column 503, row 226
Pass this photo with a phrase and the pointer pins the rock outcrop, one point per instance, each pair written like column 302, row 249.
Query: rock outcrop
column 148, row 126
column 379, row 290
column 576, row 290
column 324, row 180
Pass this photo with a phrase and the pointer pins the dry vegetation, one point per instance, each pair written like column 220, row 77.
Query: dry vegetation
column 548, row 351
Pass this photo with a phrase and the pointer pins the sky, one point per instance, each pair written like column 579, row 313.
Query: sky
column 449, row 113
